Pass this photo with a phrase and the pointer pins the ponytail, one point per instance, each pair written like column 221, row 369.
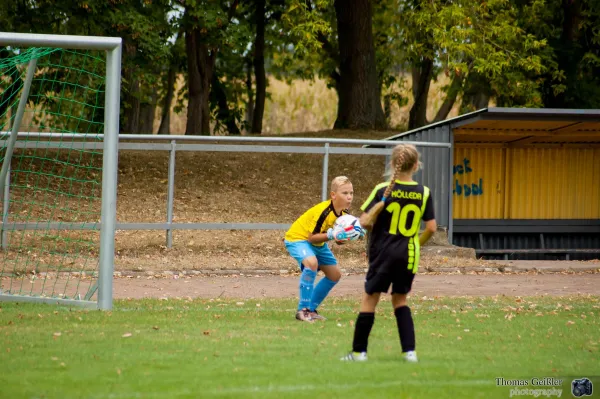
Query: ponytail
column 398, row 165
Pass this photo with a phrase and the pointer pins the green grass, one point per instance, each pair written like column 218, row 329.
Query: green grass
column 230, row 349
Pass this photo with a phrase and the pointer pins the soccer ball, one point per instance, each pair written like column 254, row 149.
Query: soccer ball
column 347, row 221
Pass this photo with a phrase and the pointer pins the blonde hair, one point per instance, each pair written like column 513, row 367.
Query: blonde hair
column 404, row 159
column 339, row 181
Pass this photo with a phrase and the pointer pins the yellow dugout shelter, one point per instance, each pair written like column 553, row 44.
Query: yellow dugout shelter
column 518, row 183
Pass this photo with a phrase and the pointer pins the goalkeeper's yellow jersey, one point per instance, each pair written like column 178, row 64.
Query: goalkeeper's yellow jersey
column 316, row 220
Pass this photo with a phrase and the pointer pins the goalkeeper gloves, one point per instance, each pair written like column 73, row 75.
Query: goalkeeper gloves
column 344, row 234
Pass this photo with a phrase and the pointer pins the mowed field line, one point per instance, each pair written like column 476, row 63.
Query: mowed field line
column 326, row 387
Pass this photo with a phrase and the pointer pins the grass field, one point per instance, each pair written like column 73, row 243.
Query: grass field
column 227, row 348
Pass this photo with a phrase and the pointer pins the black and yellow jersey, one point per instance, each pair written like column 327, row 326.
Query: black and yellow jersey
column 394, row 239
column 316, row 220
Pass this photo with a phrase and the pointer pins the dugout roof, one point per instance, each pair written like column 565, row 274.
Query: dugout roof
column 517, row 127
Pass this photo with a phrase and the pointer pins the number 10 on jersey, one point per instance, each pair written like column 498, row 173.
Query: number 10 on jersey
column 400, row 219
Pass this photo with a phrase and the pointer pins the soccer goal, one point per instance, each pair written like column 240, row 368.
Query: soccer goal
column 59, row 124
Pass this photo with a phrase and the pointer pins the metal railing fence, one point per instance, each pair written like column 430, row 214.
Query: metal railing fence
column 176, row 143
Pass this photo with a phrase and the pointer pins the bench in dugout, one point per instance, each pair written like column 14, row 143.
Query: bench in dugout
column 507, row 228
column 546, row 251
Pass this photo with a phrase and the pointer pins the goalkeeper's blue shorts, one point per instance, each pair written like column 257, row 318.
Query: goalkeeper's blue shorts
column 301, row 250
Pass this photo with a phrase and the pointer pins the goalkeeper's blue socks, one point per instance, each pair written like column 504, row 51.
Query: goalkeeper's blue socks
column 320, row 292
column 307, row 282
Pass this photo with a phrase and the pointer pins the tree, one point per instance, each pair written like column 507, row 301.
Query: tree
column 386, row 28
column 359, row 96
column 354, row 73
column 258, row 63
column 208, row 27
column 571, row 30
column 263, row 21
column 176, row 65
column 142, row 48
column 224, row 116
column 480, row 46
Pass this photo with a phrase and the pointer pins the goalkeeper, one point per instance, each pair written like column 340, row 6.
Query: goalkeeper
column 306, row 242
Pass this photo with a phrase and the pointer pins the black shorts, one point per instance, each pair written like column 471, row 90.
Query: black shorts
column 380, row 279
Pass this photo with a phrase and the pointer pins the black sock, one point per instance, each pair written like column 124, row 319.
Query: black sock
column 406, row 328
column 362, row 329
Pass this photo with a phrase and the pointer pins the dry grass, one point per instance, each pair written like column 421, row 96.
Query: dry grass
column 308, row 106
column 302, row 106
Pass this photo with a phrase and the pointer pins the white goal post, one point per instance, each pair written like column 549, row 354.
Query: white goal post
column 111, row 46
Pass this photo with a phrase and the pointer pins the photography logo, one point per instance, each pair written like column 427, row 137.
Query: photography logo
column 581, row 387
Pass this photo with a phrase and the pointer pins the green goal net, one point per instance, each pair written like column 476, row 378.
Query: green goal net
column 51, row 126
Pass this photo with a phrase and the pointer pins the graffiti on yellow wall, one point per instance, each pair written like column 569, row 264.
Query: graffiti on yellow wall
column 466, row 189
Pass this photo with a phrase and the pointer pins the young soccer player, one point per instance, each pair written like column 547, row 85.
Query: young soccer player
column 393, row 214
column 306, row 241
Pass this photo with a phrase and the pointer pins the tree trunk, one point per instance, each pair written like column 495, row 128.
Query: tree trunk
column 224, row 115
column 165, row 120
column 568, row 56
column 387, row 108
column 132, row 107
column 250, row 104
column 474, row 101
column 481, row 100
column 476, row 94
column 131, row 102
column 359, row 105
column 201, row 62
column 421, row 79
column 147, row 113
column 450, row 99
column 259, row 68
